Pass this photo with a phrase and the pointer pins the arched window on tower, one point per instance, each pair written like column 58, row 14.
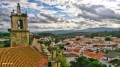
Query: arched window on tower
column 20, row 24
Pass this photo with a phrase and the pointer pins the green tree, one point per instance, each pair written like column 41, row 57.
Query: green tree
column 1, row 45
column 47, row 43
column 7, row 43
column 86, row 62
column 79, row 62
column 30, row 40
column 96, row 64
column 108, row 39
column 62, row 58
column 61, row 47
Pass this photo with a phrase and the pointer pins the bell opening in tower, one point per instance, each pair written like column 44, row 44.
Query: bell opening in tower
column 20, row 24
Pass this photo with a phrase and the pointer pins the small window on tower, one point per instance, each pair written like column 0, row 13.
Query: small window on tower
column 20, row 24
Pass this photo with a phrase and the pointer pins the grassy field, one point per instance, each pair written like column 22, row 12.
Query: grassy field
column 1, row 45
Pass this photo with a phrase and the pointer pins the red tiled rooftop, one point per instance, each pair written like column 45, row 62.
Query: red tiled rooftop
column 73, row 50
column 116, row 40
column 94, row 55
column 100, row 46
column 69, row 50
column 21, row 57
column 76, row 50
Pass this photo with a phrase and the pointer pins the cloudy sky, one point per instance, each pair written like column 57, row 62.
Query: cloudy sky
column 64, row 14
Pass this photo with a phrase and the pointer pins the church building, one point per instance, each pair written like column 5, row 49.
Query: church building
column 19, row 33
column 20, row 54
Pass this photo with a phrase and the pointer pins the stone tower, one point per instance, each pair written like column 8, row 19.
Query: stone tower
column 19, row 33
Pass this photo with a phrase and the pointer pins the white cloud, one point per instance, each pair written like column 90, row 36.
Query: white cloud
column 92, row 13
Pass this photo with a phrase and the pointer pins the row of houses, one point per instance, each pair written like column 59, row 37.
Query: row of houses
column 96, row 48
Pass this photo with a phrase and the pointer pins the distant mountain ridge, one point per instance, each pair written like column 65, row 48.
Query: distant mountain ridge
column 72, row 31
column 101, row 29
column 85, row 30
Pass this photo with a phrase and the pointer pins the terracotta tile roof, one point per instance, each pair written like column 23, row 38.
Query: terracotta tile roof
column 79, row 47
column 116, row 40
column 100, row 46
column 71, row 55
column 21, row 57
column 94, row 55
column 77, row 42
column 85, row 39
column 77, row 50
column 68, row 50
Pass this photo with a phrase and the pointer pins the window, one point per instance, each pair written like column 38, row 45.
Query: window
column 49, row 64
column 20, row 24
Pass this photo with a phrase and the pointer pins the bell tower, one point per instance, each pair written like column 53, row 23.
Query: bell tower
column 19, row 33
